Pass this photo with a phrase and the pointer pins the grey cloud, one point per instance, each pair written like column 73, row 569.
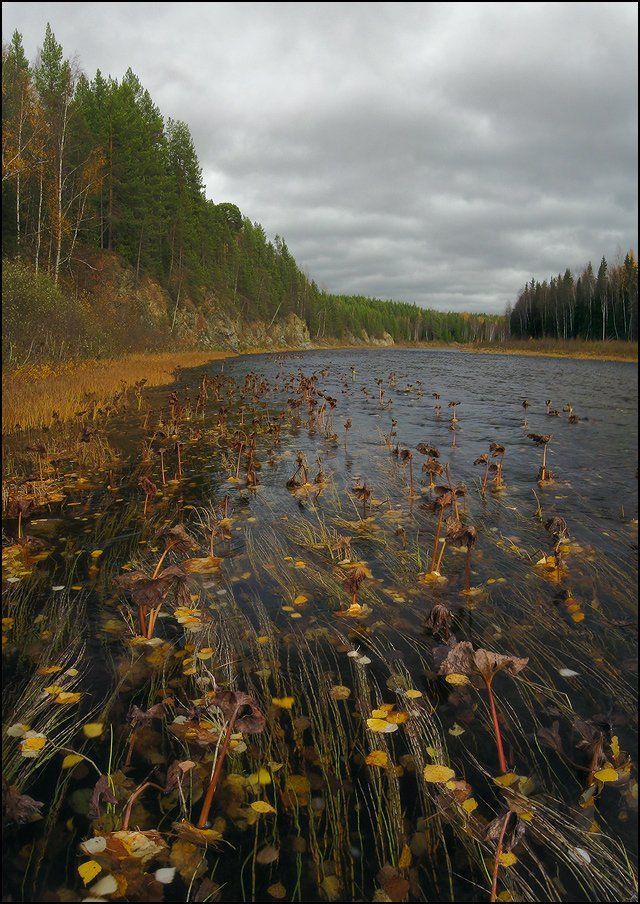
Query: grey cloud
column 441, row 153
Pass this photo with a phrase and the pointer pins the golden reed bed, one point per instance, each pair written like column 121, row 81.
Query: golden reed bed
column 31, row 394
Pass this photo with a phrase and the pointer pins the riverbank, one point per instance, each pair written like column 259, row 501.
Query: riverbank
column 36, row 396
column 569, row 348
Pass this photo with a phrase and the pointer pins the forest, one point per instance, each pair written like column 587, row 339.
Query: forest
column 594, row 306
column 91, row 168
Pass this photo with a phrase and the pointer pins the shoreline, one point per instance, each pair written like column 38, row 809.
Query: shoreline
column 33, row 394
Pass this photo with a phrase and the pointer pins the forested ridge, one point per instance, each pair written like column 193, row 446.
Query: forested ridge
column 92, row 167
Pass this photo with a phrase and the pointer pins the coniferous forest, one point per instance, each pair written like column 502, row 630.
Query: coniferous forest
column 593, row 306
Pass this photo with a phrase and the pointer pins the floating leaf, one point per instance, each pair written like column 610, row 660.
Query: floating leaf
column 469, row 805
column 437, row 773
column 261, row 806
column 507, row 859
column 606, row 775
column 89, row 870
column 283, row 702
column 93, row 729
column 506, row 780
column 72, row 759
column 454, row 678
column 340, row 692
column 377, row 758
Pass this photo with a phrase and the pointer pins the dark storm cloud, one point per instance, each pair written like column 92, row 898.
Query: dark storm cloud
column 441, row 153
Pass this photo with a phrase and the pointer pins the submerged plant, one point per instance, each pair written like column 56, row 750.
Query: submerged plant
column 241, row 715
column 462, row 659
column 464, row 535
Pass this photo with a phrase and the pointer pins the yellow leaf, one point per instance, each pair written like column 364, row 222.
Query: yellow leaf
column 506, row 780
column 454, row 678
column 507, row 859
column 377, row 758
column 398, row 718
column 283, row 702
column 299, row 784
column 300, row 600
column 67, row 697
column 405, row 857
column 71, row 760
column 93, row 729
column 261, row 806
column 469, row 805
column 96, row 553
column 436, row 773
column 377, row 724
column 606, row 775
column 89, row 870
column 615, row 747
column 261, row 777
column 413, row 694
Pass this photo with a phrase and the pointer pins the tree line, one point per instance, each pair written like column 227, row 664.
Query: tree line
column 594, row 306
column 93, row 164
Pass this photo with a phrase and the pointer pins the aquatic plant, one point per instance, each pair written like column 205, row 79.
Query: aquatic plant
column 462, row 659
column 543, row 439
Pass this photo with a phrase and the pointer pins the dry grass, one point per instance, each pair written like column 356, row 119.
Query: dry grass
column 31, row 395
column 612, row 350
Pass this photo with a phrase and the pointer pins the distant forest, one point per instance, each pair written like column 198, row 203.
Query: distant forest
column 593, row 306
column 93, row 164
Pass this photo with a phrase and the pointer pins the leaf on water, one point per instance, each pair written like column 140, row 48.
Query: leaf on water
column 94, row 845
column 405, row 857
column 66, row 697
column 93, row 729
column 606, row 775
column 437, row 773
column 277, row 891
column 381, row 725
column 205, row 565
column 165, row 875
column 261, row 806
column 267, row 854
column 72, row 759
column 105, row 886
column 283, row 702
column 340, row 692
column 377, row 758
column 469, row 805
column 413, row 694
column 89, row 870
column 506, row 780
column 454, row 678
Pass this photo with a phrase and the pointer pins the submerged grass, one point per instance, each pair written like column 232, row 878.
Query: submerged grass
column 358, row 771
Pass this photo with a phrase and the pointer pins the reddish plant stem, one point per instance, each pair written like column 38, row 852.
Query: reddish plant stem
column 132, row 741
column 496, row 727
column 215, row 778
column 136, row 794
column 496, row 864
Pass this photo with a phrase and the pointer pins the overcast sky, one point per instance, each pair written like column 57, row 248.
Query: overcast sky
column 437, row 153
